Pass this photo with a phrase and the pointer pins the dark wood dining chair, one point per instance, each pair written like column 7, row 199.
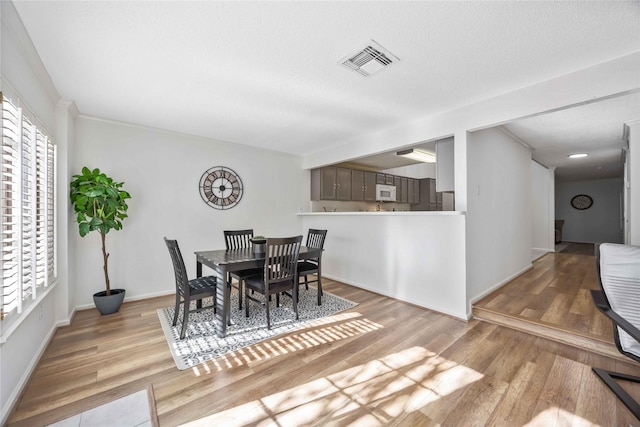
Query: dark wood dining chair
column 315, row 239
column 280, row 274
column 618, row 271
column 188, row 290
column 240, row 239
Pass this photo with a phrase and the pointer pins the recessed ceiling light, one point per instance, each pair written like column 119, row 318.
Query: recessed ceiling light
column 577, row 155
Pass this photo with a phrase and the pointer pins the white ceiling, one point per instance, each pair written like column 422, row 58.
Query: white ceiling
column 265, row 74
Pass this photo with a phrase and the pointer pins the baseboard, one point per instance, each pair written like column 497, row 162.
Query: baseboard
column 543, row 249
column 17, row 392
column 127, row 299
column 493, row 289
column 360, row 286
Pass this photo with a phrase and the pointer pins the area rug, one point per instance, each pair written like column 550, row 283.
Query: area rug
column 201, row 342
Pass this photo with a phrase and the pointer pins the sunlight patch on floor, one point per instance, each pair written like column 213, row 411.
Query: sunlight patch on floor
column 324, row 331
column 372, row 391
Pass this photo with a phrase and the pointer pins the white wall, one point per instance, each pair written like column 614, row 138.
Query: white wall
column 417, row 257
column 633, row 157
column 542, row 195
column 499, row 214
column 22, row 342
column 162, row 171
column 602, row 221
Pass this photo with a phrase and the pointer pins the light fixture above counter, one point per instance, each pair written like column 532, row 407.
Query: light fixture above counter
column 419, row 155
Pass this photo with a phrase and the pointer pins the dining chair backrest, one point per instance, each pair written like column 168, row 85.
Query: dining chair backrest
column 282, row 259
column 182, row 281
column 238, row 239
column 315, row 240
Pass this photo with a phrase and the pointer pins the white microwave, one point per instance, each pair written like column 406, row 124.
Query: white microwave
column 385, row 193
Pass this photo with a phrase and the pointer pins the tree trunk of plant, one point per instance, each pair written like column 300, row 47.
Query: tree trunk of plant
column 105, row 258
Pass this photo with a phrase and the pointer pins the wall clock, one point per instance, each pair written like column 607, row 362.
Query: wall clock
column 581, row 202
column 221, row 187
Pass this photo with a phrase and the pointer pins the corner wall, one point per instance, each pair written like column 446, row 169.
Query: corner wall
column 499, row 211
column 543, row 228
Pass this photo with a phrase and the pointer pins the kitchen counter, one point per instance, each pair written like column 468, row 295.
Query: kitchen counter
column 384, row 213
column 414, row 256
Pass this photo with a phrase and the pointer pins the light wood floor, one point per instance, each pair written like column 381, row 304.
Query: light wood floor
column 383, row 362
column 553, row 300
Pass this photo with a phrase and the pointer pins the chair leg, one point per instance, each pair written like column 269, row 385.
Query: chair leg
column 185, row 318
column 608, row 378
column 294, row 297
column 240, row 293
column 268, row 317
column 175, row 313
column 306, row 282
column 246, row 302
column 319, row 291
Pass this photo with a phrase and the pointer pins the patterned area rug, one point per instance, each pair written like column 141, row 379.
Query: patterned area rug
column 201, row 342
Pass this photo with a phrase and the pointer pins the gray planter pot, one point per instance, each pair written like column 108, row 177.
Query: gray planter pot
column 109, row 304
column 259, row 248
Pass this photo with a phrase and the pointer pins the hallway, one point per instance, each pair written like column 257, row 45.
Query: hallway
column 552, row 300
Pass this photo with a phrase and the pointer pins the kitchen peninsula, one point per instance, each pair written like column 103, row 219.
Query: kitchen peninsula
column 417, row 257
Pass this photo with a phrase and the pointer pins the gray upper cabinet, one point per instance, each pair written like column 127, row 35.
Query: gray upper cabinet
column 363, row 186
column 370, row 186
column 337, row 183
column 405, row 190
column 357, row 185
column 331, row 183
column 343, row 180
column 413, row 191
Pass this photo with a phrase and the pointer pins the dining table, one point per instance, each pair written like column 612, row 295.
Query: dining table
column 224, row 261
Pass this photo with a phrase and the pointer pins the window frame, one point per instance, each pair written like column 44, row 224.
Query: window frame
column 32, row 212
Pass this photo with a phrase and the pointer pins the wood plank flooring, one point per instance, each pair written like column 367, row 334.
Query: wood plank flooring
column 552, row 300
column 382, row 362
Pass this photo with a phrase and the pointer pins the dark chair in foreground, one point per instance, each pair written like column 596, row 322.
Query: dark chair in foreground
column 315, row 239
column 618, row 270
column 239, row 239
column 280, row 274
column 188, row 290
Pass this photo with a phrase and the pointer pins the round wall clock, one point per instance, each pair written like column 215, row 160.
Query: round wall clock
column 581, row 202
column 221, row 187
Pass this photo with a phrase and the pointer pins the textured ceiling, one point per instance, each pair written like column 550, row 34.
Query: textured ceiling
column 265, row 74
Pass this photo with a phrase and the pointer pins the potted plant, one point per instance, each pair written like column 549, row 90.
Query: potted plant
column 259, row 244
column 100, row 205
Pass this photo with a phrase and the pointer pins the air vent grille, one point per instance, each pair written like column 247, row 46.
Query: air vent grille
column 368, row 60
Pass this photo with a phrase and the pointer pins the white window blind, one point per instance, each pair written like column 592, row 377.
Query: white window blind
column 27, row 209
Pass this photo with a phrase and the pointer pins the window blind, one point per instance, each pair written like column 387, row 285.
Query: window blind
column 27, row 209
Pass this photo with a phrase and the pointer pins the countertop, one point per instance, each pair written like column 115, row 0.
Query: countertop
column 383, row 213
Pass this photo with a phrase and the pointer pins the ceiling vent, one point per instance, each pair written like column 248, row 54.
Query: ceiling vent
column 369, row 60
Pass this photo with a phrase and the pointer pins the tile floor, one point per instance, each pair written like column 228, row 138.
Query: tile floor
column 129, row 411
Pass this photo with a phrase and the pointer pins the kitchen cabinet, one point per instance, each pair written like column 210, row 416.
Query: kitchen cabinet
column 413, row 190
column 363, row 186
column 397, row 182
column 331, row 183
column 404, row 190
column 383, row 178
column 430, row 199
